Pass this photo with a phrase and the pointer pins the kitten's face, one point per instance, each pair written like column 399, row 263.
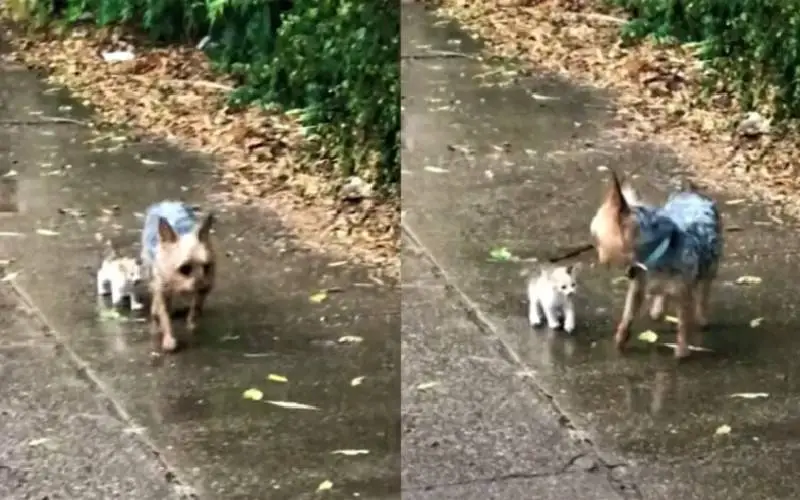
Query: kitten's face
column 131, row 268
column 564, row 280
column 185, row 263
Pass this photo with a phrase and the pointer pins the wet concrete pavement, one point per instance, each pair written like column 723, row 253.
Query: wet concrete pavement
column 180, row 425
column 491, row 166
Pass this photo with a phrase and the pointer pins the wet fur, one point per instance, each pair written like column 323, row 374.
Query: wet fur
column 178, row 252
column 686, row 271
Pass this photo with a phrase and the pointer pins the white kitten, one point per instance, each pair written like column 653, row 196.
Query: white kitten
column 551, row 295
column 119, row 277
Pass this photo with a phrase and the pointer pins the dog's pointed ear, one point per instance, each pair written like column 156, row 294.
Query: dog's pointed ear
column 204, row 231
column 615, row 197
column 165, row 232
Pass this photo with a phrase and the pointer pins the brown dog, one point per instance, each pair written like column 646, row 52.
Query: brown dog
column 675, row 248
column 179, row 255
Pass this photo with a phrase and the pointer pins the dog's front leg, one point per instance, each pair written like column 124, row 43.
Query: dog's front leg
column 686, row 320
column 195, row 310
column 161, row 323
column 633, row 302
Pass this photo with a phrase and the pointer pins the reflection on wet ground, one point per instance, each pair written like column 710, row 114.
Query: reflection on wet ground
column 522, row 172
column 259, row 321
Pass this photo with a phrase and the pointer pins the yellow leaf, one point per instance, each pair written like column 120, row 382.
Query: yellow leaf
column 318, row 297
column 748, row 280
column 671, row 319
column 756, row 322
column 325, row 485
column 427, row 385
column 723, row 430
column 253, row 394
column 356, row 381
column 648, row 336
column 46, row 232
column 735, row 202
column 276, row 378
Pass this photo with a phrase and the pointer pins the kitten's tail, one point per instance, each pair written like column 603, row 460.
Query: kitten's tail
column 110, row 252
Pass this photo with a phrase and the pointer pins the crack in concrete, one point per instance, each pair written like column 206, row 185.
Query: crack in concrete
column 113, row 403
column 476, row 315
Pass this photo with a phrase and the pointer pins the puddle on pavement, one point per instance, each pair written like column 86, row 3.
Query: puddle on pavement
column 259, row 321
column 542, row 192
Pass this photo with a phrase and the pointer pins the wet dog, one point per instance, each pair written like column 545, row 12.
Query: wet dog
column 671, row 251
column 179, row 257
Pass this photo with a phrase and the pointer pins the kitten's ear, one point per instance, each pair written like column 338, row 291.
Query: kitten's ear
column 165, row 232
column 204, row 231
column 614, row 196
column 573, row 269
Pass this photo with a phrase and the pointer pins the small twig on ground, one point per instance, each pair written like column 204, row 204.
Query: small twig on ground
column 195, row 83
column 201, row 83
column 46, row 120
column 441, row 54
column 594, row 16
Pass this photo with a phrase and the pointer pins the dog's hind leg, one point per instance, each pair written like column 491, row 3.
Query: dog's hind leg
column 686, row 320
column 633, row 302
column 702, row 293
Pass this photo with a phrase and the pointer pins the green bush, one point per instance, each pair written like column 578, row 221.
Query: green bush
column 752, row 46
column 335, row 61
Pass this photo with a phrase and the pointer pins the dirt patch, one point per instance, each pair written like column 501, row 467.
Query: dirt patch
column 657, row 90
column 172, row 93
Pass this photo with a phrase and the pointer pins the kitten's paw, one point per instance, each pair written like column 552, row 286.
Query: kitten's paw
column 136, row 306
column 534, row 321
column 569, row 326
column 553, row 324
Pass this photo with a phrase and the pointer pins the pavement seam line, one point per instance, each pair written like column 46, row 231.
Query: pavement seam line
column 488, row 327
column 172, row 472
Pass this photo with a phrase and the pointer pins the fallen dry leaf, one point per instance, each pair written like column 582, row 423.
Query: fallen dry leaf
column 748, row 280
column 253, row 394
column 750, row 395
column 350, row 453
column 350, row 339
column 318, row 297
column 427, row 385
column 325, row 486
column 723, row 430
column 756, row 322
column 291, row 405
column 648, row 336
column 272, row 377
column 357, row 381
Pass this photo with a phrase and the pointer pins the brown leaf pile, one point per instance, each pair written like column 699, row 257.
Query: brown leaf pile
column 657, row 90
column 171, row 93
